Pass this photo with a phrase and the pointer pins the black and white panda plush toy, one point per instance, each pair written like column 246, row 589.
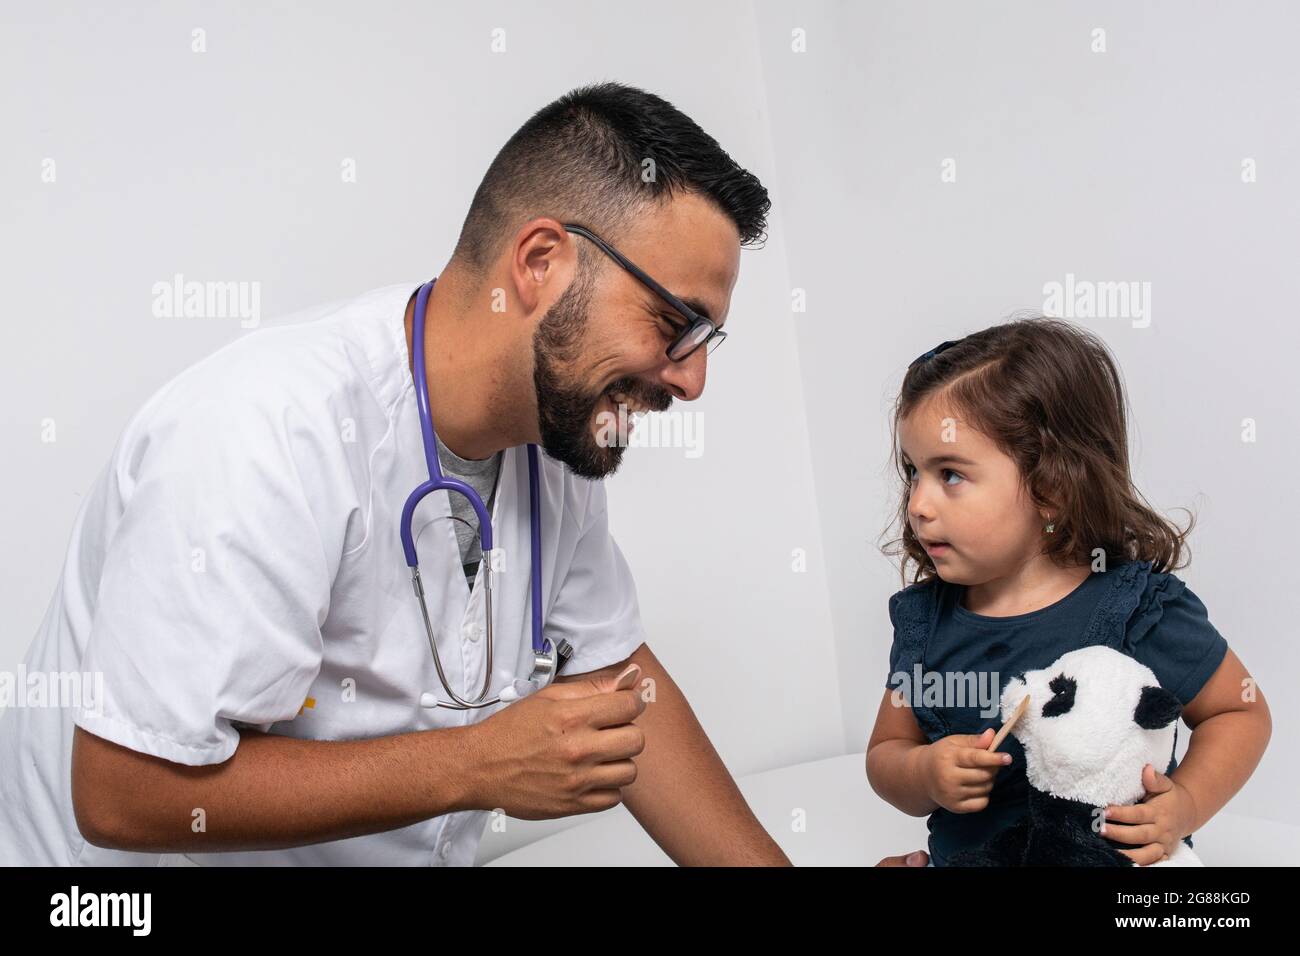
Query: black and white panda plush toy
column 1095, row 718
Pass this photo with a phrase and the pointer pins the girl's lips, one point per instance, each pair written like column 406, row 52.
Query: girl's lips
column 937, row 547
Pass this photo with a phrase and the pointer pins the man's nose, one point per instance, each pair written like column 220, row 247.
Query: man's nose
column 685, row 379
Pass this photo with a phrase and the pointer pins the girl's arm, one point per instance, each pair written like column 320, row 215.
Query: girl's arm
column 893, row 771
column 1230, row 728
column 1230, row 725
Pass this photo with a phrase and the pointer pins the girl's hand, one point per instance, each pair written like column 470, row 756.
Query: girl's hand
column 1156, row 825
column 959, row 771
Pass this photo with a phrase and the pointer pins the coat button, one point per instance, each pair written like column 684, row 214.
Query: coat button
column 473, row 631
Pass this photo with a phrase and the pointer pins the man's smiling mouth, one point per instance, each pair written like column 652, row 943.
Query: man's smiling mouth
column 633, row 405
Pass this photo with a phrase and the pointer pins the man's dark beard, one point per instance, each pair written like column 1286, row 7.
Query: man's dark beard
column 566, row 411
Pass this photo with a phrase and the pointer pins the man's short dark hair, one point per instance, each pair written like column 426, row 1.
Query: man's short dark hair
column 597, row 156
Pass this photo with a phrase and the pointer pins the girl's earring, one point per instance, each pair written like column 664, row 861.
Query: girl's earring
column 1050, row 527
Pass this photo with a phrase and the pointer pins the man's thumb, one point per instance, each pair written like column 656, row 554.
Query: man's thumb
column 915, row 858
column 625, row 680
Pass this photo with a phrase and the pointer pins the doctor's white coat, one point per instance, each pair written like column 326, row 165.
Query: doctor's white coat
column 238, row 563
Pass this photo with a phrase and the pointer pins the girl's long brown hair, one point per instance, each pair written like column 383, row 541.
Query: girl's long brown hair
column 1050, row 395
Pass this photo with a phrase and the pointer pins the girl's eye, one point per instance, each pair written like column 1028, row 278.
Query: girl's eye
column 910, row 470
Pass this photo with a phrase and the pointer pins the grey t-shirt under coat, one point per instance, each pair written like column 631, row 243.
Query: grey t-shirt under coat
column 481, row 475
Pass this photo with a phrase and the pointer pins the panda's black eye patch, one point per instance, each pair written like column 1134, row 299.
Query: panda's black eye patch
column 1063, row 689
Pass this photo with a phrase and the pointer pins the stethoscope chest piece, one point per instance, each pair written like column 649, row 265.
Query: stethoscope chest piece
column 545, row 666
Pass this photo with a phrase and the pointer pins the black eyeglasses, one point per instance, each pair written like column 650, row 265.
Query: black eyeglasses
column 698, row 329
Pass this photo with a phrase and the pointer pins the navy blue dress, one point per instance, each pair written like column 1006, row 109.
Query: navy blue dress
column 1153, row 617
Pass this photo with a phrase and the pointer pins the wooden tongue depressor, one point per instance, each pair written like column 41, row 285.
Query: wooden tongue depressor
column 1011, row 722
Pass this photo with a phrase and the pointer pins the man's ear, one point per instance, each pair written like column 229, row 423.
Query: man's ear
column 1156, row 708
column 542, row 251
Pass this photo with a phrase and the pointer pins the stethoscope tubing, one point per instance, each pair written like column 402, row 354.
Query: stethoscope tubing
column 547, row 660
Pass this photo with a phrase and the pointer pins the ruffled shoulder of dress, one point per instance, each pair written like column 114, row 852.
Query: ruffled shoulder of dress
column 1160, row 589
column 915, row 602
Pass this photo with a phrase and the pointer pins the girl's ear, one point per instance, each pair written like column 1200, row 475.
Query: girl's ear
column 1049, row 511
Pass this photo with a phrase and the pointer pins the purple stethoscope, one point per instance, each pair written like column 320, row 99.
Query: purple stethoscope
column 548, row 658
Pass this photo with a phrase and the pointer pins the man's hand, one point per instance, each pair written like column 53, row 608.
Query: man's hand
column 915, row 858
column 566, row 749
column 1156, row 825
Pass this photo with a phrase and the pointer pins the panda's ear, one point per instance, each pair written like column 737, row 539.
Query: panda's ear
column 1156, row 708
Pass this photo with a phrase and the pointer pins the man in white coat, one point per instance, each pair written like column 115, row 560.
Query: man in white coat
column 235, row 578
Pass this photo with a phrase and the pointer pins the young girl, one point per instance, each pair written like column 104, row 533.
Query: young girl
column 1030, row 540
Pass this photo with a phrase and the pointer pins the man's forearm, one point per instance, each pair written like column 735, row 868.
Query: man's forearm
column 683, row 795
column 274, row 792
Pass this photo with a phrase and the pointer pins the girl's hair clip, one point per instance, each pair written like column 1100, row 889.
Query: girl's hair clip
column 933, row 352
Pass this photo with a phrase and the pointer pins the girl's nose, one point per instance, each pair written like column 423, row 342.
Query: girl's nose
column 917, row 507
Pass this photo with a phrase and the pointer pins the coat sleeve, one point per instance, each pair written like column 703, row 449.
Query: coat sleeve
column 214, row 585
column 596, row 610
